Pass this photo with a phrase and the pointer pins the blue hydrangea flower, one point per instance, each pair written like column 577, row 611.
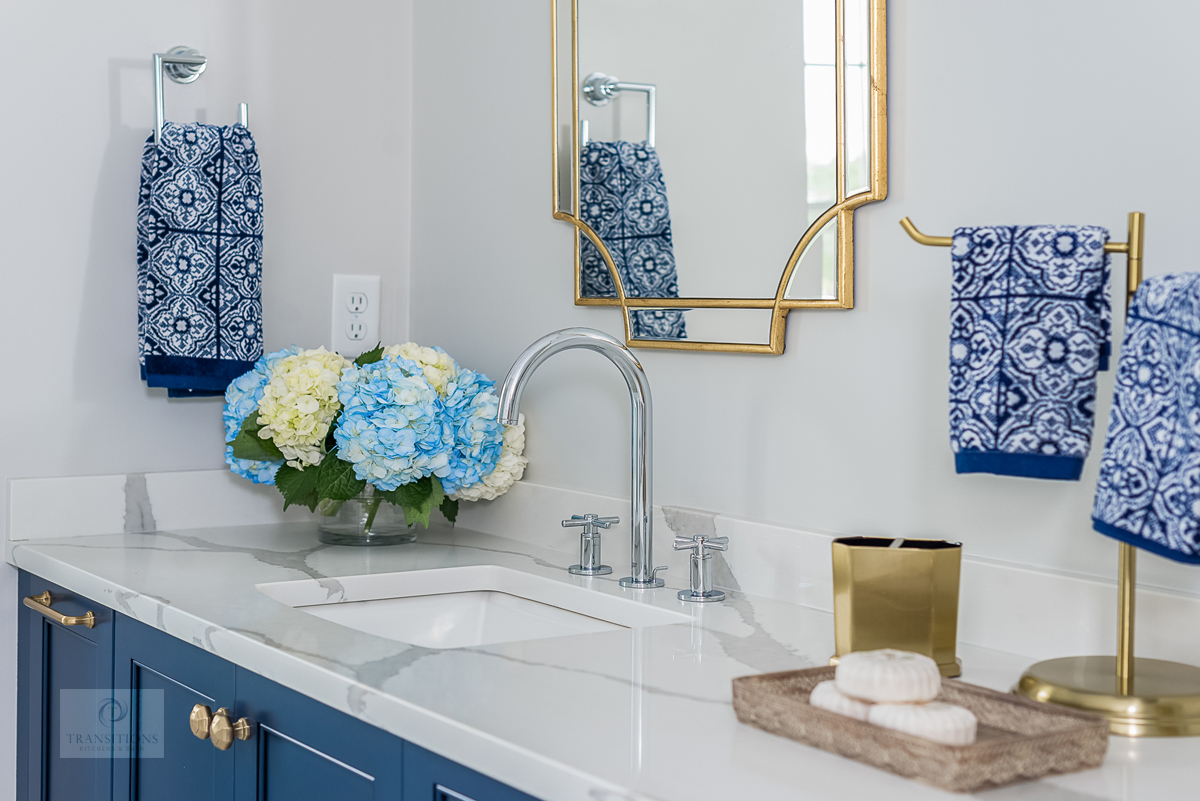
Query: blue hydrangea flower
column 241, row 399
column 259, row 472
column 393, row 428
column 478, row 436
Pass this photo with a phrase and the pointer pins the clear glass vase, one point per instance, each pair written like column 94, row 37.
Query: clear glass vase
column 365, row 520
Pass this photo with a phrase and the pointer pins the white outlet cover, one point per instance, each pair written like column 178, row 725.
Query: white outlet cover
column 355, row 314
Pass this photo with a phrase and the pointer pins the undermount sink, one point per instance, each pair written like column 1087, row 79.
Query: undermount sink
column 458, row 607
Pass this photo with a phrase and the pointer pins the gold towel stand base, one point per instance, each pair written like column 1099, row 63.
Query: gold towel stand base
column 1164, row 701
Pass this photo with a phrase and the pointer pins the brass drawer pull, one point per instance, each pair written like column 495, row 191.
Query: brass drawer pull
column 41, row 604
column 223, row 730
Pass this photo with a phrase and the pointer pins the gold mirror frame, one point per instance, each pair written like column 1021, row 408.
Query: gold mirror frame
column 843, row 209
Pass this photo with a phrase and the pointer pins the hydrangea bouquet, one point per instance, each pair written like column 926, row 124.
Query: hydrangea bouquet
column 406, row 420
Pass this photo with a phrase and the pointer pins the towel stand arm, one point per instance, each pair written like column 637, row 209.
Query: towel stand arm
column 1131, row 248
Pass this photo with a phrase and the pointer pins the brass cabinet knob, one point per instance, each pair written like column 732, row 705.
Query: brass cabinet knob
column 224, row 731
column 200, row 720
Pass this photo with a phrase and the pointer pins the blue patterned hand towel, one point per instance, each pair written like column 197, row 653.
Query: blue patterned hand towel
column 1148, row 493
column 199, row 258
column 1030, row 321
column 623, row 198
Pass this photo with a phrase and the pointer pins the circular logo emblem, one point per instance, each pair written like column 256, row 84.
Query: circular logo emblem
column 111, row 711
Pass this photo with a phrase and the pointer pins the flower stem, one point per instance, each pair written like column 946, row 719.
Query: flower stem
column 372, row 509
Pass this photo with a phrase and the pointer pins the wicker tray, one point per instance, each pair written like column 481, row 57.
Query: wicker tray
column 1018, row 739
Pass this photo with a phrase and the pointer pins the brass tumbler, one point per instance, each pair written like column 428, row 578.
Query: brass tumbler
column 899, row 594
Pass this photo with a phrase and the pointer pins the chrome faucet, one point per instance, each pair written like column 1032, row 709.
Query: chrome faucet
column 641, row 544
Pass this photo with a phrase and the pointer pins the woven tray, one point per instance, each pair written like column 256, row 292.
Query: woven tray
column 1018, row 739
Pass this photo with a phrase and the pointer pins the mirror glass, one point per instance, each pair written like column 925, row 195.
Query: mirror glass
column 715, row 153
column 709, row 146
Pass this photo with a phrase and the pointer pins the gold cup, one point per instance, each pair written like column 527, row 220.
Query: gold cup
column 903, row 597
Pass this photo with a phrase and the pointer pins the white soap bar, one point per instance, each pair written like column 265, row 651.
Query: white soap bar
column 941, row 723
column 826, row 696
column 888, row 676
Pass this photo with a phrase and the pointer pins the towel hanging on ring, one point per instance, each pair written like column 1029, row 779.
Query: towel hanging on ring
column 199, row 258
column 623, row 198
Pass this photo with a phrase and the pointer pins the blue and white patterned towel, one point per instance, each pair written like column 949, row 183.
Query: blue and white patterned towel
column 624, row 199
column 1029, row 327
column 199, row 258
column 1148, row 493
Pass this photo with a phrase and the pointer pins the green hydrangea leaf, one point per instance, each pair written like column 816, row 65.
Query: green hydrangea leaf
column 417, row 500
column 336, row 480
column 298, row 486
column 449, row 509
column 375, row 354
column 249, row 445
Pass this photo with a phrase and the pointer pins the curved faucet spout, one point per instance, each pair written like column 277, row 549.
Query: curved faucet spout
column 641, row 491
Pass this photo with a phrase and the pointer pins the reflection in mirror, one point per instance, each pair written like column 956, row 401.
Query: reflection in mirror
column 564, row 91
column 815, row 275
column 707, row 140
column 744, row 326
column 722, row 194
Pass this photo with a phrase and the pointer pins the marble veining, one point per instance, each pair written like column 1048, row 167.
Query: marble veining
column 139, row 514
column 607, row 716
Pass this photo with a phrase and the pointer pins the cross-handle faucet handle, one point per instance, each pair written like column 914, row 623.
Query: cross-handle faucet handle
column 590, row 522
column 701, row 542
column 589, row 543
column 700, row 582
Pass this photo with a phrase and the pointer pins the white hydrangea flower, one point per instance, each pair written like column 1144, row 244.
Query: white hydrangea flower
column 299, row 402
column 436, row 364
column 509, row 468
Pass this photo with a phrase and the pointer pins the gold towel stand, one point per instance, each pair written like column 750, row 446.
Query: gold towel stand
column 1164, row 701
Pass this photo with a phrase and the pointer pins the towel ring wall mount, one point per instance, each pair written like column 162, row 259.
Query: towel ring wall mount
column 599, row 88
column 181, row 64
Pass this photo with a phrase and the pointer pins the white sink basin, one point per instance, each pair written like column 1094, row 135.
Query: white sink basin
column 458, row 607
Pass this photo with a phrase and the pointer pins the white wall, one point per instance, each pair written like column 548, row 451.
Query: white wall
column 1048, row 112
column 328, row 85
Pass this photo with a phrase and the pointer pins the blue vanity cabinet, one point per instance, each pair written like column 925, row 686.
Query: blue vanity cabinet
column 296, row 748
column 429, row 777
column 54, row 660
column 165, row 678
column 301, row 749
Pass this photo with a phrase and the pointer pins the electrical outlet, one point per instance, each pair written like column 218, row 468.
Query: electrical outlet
column 355, row 314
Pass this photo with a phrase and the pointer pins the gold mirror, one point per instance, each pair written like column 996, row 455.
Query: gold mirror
column 711, row 157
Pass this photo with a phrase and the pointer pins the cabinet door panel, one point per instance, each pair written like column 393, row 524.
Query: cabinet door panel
column 54, row 659
column 166, row 677
column 290, row 770
column 301, row 748
column 429, row 777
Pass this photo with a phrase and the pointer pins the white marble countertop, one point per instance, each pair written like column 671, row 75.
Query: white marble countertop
column 608, row 716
